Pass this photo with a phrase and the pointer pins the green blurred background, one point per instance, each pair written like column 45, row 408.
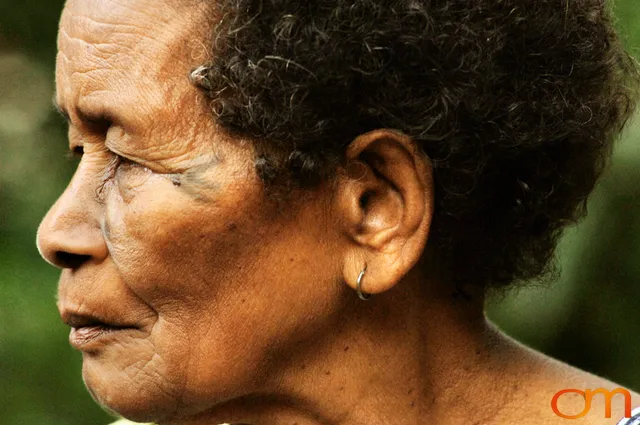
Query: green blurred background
column 589, row 317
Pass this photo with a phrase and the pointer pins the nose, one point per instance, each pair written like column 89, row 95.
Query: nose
column 70, row 235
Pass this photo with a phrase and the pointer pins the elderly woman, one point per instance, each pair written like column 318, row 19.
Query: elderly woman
column 290, row 212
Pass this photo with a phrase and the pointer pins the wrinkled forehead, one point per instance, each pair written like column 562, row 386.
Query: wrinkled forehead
column 122, row 46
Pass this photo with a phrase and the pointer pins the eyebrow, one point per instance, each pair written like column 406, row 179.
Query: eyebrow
column 82, row 115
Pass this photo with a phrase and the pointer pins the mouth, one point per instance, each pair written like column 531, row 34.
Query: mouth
column 87, row 330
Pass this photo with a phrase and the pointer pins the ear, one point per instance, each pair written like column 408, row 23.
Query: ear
column 385, row 203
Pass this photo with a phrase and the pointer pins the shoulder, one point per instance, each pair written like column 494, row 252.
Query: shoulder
column 584, row 398
column 550, row 392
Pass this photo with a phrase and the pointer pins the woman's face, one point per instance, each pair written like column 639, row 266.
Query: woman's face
column 164, row 232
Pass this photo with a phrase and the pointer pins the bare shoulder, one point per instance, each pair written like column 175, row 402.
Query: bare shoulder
column 568, row 395
column 602, row 401
column 546, row 391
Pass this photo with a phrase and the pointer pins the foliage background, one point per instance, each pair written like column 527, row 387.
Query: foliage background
column 589, row 317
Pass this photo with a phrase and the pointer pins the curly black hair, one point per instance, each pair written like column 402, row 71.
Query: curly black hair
column 517, row 104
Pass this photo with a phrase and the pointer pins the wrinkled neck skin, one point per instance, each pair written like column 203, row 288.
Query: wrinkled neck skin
column 414, row 355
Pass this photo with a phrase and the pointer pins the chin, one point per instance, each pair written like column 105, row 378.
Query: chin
column 150, row 394
column 131, row 393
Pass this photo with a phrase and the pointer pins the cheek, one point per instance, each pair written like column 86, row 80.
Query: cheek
column 191, row 262
column 231, row 284
column 170, row 247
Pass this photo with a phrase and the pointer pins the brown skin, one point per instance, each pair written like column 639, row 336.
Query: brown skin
column 238, row 307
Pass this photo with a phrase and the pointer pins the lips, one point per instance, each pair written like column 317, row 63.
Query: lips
column 89, row 329
column 76, row 320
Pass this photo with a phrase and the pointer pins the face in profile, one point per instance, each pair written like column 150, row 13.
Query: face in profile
column 180, row 279
column 215, row 236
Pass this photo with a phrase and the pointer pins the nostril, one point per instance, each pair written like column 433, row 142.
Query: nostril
column 67, row 260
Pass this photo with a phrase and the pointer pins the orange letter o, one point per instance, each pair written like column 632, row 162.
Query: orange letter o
column 554, row 404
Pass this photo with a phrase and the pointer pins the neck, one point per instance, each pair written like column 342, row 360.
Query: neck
column 416, row 355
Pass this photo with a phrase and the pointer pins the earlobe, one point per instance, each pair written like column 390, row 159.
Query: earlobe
column 386, row 205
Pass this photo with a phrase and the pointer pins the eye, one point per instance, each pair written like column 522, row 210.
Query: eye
column 123, row 174
column 127, row 173
column 116, row 163
column 110, row 173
